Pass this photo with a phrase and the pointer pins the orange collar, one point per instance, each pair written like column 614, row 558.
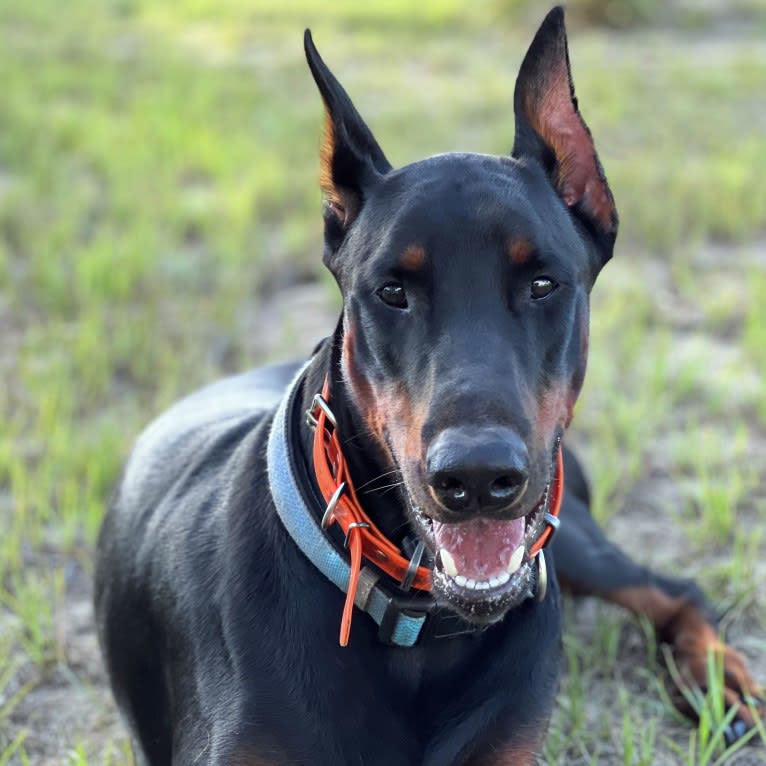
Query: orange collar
column 363, row 538
column 554, row 508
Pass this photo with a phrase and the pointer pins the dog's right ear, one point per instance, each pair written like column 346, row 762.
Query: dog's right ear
column 351, row 160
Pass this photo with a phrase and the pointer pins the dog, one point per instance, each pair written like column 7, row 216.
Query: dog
column 252, row 610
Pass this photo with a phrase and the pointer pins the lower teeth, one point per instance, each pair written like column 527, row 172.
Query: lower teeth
column 471, row 584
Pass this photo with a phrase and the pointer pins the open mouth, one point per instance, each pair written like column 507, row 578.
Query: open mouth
column 483, row 567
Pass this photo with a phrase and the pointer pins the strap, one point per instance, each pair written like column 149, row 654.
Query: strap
column 552, row 520
column 343, row 507
column 305, row 531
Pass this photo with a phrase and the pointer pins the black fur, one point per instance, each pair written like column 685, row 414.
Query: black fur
column 220, row 637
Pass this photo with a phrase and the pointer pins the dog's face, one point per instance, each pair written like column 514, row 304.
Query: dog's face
column 466, row 281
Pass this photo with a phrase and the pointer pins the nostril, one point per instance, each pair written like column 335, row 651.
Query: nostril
column 507, row 487
column 503, row 488
column 453, row 490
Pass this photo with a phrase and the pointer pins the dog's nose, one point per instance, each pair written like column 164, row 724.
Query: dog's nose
column 477, row 469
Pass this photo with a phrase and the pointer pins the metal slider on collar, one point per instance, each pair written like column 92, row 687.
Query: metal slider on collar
column 319, row 403
column 412, row 567
column 553, row 522
column 332, row 503
column 351, row 527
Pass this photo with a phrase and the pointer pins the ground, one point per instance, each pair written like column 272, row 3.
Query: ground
column 159, row 227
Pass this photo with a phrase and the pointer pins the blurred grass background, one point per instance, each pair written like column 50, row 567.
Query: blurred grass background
column 159, row 226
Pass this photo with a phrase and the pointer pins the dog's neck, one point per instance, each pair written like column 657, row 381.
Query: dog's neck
column 370, row 471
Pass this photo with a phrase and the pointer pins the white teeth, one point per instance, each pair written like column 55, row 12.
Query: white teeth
column 515, row 561
column 470, row 583
column 500, row 579
column 448, row 562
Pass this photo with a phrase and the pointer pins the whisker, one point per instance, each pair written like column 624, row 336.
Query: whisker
column 378, row 478
column 385, row 488
column 358, row 435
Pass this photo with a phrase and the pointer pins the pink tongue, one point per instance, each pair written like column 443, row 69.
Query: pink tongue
column 480, row 548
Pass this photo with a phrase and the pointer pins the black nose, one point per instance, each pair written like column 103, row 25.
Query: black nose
column 477, row 468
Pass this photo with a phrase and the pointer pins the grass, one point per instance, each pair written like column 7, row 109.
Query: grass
column 158, row 169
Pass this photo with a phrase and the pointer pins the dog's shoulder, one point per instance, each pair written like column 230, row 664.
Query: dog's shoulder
column 200, row 433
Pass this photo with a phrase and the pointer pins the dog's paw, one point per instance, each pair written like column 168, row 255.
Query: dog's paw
column 714, row 675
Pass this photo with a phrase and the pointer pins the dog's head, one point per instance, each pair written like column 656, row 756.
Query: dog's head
column 466, row 282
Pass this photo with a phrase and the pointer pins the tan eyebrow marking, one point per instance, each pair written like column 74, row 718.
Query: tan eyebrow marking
column 520, row 251
column 413, row 257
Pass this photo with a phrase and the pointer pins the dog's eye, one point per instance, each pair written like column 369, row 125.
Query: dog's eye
column 542, row 287
column 393, row 294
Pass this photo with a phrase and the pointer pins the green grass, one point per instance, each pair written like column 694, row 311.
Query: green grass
column 158, row 185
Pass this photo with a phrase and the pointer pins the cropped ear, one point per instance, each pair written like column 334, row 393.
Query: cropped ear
column 351, row 160
column 550, row 129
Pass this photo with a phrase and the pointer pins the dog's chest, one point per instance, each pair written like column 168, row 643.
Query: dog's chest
column 443, row 704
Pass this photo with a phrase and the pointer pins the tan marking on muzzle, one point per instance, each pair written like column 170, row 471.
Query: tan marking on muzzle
column 554, row 410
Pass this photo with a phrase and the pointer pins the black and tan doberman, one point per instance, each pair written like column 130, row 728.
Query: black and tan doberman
column 409, row 476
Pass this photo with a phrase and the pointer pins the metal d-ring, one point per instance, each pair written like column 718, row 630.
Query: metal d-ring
column 354, row 525
column 542, row 577
column 327, row 515
column 412, row 567
column 319, row 403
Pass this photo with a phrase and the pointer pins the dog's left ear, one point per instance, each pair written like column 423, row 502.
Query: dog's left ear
column 550, row 129
column 351, row 160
